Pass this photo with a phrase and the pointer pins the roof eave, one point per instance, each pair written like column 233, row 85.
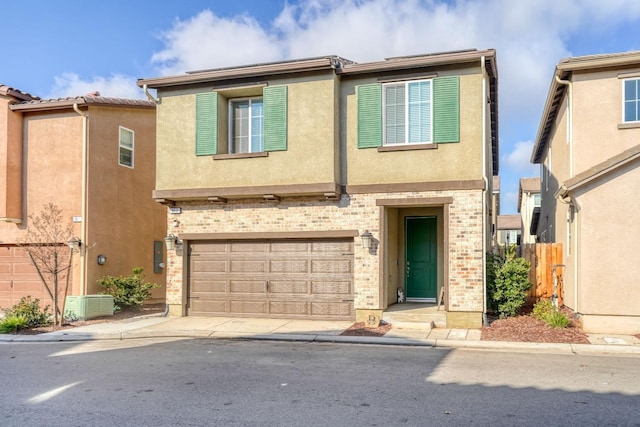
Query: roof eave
column 62, row 104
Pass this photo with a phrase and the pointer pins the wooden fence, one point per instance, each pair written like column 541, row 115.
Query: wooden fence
column 544, row 259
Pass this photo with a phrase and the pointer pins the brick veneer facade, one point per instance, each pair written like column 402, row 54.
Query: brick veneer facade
column 464, row 272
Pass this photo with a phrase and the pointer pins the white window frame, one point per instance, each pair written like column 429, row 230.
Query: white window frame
column 123, row 147
column 406, row 112
column 624, row 100
column 230, row 146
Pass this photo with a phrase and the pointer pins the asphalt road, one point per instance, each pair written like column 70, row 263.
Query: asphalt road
column 262, row 383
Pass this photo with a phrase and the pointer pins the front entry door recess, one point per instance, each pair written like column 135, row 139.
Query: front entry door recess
column 421, row 251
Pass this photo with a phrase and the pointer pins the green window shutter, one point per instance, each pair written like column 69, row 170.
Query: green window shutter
column 206, row 123
column 446, row 109
column 370, row 115
column 275, row 118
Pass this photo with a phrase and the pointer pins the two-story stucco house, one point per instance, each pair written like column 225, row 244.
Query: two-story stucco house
column 316, row 188
column 94, row 158
column 529, row 207
column 588, row 146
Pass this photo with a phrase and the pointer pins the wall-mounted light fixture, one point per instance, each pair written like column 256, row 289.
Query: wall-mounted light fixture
column 367, row 238
column 170, row 242
column 75, row 244
column 102, row 259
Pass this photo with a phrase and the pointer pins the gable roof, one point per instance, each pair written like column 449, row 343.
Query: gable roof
column 528, row 185
column 557, row 90
column 600, row 169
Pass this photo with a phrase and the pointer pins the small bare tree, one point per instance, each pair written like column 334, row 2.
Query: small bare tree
column 46, row 244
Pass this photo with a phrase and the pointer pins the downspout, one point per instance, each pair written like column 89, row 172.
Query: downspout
column 83, row 228
column 146, row 92
column 561, row 196
column 485, row 187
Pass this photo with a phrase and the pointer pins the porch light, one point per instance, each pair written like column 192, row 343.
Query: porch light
column 75, row 244
column 366, row 239
column 102, row 259
column 170, row 242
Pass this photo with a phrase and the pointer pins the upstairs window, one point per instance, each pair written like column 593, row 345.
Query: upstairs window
column 246, row 130
column 632, row 100
column 125, row 147
column 407, row 112
column 411, row 112
column 229, row 124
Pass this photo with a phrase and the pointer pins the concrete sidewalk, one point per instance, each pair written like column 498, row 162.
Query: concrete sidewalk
column 314, row 330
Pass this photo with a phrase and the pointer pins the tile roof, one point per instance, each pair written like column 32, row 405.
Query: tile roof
column 85, row 100
column 9, row 91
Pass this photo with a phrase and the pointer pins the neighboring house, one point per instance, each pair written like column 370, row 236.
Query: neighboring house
column 529, row 207
column 315, row 188
column 588, row 146
column 94, row 158
column 495, row 209
column 509, row 230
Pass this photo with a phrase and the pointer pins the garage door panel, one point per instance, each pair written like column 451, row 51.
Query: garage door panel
column 243, row 287
column 337, row 247
column 288, row 308
column 213, row 286
column 251, row 247
column 248, row 307
column 19, row 278
column 289, row 266
column 210, row 266
column 331, row 288
column 281, row 287
column 271, row 278
column 211, row 306
column 5, row 268
column 248, row 266
column 327, row 309
column 289, row 247
column 332, row 265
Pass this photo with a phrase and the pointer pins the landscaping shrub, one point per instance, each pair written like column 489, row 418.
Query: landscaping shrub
column 494, row 262
column 25, row 314
column 545, row 310
column 11, row 324
column 30, row 311
column 510, row 286
column 127, row 291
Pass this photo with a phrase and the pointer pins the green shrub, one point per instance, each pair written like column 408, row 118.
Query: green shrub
column 11, row 324
column 494, row 262
column 545, row 310
column 542, row 309
column 127, row 291
column 555, row 319
column 510, row 286
column 30, row 311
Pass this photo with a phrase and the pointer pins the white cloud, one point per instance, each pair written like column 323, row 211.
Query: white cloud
column 518, row 160
column 115, row 86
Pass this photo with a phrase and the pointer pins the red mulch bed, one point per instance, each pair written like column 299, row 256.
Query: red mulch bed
column 359, row 329
column 526, row 328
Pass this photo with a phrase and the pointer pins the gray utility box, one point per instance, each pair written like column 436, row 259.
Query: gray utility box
column 85, row 307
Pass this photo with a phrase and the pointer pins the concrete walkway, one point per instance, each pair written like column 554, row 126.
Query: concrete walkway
column 313, row 330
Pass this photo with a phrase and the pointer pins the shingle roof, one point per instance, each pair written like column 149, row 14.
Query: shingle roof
column 509, row 222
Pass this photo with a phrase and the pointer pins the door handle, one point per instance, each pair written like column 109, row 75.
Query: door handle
column 266, row 286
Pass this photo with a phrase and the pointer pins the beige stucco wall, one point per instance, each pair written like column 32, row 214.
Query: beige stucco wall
column 311, row 143
column 449, row 162
column 607, row 257
column 10, row 162
column 597, row 113
column 123, row 219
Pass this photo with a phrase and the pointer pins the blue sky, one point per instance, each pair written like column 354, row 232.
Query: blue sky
column 72, row 47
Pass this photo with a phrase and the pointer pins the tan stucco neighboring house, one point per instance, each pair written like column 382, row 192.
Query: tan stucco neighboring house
column 509, row 229
column 315, row 188
column 587, row 146
column 94, row 158
column 529, row 208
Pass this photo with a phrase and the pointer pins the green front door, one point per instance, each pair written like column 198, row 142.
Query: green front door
column 421, row 258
